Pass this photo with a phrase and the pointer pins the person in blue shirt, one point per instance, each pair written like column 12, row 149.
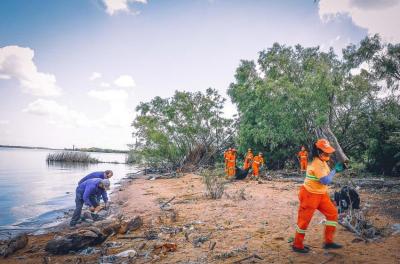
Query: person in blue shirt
column 87, row 193
column 97, row 174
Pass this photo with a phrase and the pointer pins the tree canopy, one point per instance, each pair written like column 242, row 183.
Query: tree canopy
column 293, row 95
column 182, row 130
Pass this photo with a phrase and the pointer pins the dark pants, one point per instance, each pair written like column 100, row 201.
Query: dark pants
column 79, row 204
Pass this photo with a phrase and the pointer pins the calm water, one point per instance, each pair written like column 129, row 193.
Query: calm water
column 33, row 194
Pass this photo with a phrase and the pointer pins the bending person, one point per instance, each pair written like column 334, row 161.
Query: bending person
column 87, row 193
column 97, row 175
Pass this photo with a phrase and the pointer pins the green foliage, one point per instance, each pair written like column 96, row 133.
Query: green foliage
column 282, row 106
column 384, row 140
column 291, row 93
column 186, row 128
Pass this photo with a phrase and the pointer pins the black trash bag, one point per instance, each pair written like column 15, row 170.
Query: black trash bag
column 347, row 198
column 241, row 173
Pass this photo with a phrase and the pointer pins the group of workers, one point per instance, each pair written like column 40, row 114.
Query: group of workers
column 89, row 191
column 256, row 162
column 313, row 194
column 250, row 161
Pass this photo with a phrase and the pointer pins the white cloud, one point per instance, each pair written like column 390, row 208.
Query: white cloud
column 125, row 81
column 118, row 114
column 58, row 114
column 363, row 66
column 4, row 77
column 116, row 111
column 94, row 76
column 115, row 6
column 377, row 16
column 104, row 84
column 17, row 62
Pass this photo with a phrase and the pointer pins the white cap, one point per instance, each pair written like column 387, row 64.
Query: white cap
column 106, row 184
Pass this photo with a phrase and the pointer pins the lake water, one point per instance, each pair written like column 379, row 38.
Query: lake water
column 33, row 193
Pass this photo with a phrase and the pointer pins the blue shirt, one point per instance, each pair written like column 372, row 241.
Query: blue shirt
column 93, row 175
column 91, row 188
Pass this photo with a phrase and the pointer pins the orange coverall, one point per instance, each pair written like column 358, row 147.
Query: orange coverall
column 257, row 162
column 313, row 196
column 303, row 157
column 226, row 153
column 248, row 159
column 231, row 164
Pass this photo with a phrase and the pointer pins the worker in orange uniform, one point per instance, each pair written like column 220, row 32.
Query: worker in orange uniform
column 313, row 196
column 258, row 161
column 231, row 163
column 226, row 153
column 248, row 159
column 303, row 158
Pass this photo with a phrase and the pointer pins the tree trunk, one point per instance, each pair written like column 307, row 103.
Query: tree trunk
column 326, row 132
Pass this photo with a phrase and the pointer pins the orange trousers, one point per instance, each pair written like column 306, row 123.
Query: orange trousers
column 303, row 164
column 256, row 169
column 309, row 202
column 231, row 170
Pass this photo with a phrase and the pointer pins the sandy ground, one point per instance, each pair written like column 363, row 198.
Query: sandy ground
column 260, row 224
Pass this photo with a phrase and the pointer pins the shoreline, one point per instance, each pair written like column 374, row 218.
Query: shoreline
column 61, row 218
column 232, row 221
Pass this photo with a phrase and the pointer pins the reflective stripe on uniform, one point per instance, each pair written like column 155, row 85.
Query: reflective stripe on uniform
column 299, row 230
column 311, row 177
column 330, row 223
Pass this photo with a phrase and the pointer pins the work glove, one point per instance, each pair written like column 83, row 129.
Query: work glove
column 339, row 167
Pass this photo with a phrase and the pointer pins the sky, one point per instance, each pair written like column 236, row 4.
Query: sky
column 73, row 71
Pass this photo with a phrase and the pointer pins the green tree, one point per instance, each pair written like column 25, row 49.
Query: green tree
column 290, row 100
column 185, row 130
column 293, row 95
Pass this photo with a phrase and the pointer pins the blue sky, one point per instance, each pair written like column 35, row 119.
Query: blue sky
column 72, row 71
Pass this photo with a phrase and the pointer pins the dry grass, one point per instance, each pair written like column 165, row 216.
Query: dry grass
column 214, row 183
column 71, row 156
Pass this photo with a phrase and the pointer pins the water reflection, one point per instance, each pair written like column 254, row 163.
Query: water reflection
column 67, row 165
column 30, row 187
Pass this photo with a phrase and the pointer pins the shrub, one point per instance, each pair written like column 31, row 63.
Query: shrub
column 71, row 156
column 214, row 183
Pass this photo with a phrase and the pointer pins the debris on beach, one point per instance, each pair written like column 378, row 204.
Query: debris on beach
column 13, row 244
column 76, row 241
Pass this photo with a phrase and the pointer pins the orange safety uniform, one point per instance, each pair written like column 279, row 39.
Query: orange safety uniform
column 303, row 157
column 257, row 162
column 231, row 164
column 313, row 196
column 248, row 159
column 226, row 153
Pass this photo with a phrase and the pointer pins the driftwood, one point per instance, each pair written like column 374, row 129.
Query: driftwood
column 91, row 236
column 13, row 245
column 132, row 225
column 167, row 202
column 81, row 239
column 247, row 258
